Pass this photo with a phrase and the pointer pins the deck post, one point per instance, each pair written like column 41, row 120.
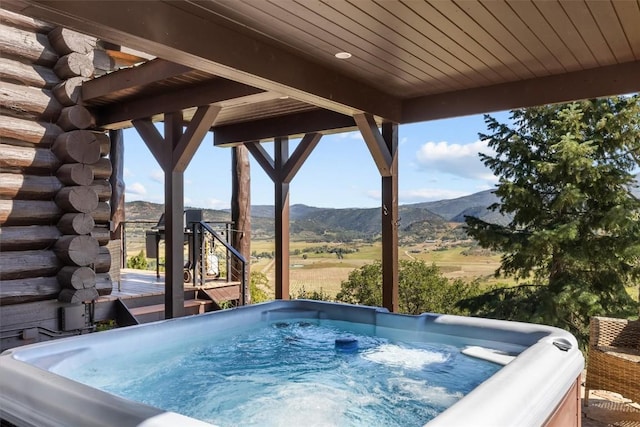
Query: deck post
column 173, row 153
column 281, row 155
column 174, row 223
column 241, row 215
column 384, row 150
column 390, row 219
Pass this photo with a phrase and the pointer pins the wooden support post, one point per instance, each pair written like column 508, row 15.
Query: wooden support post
column 241, row 212
column 174, row 153
column 384, row 150
column 282, row 170
column 173, row 220
column 390, row 218
column 117, row 183
column 281, row 155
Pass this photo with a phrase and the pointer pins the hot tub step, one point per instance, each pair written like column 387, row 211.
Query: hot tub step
column 151, row 313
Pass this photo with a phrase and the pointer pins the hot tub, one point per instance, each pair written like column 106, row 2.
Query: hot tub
column 536, row 380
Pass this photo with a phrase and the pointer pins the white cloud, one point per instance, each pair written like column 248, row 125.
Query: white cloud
column 373, row 194
column 455, row 159
column 429, row 194
column 127, row 173
column 136, row 189
column 216, row 204
column 157, row 175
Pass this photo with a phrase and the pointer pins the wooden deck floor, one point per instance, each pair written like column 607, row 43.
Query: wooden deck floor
column 137, row 283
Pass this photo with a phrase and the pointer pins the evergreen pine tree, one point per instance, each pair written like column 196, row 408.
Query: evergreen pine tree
column 566, row 175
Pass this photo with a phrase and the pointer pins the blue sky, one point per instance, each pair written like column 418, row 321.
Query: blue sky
column 437, row 160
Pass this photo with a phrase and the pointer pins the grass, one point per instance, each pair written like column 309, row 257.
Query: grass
column 324, row 271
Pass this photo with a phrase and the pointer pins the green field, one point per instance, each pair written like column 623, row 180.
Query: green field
column 325, row 271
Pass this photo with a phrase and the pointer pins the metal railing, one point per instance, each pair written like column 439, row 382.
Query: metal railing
column 211, row 252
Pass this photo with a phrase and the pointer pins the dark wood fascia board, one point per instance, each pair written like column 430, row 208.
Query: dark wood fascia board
column 130, row 78
column 300, row 154
column 263, row 158
column 375, row 142
column 154, row 141
column 597, row 82
column 217, row 46
column 210, row 92
column 193, row 136
column 285, row 125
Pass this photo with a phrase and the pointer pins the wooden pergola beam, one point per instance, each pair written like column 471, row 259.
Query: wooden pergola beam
column 375, row 142
column 131, row 78
column 300, row 155
column 152, row 138
column 254, row 60
column 193, row 136
column 603, row 81
column 210, row 92
column 263, row 158
column 286, row 125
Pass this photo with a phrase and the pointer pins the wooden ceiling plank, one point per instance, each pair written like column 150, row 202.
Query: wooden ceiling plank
column 375, row 142
column 359, row 41
column 205, row 46
column 287, row 125
column 211, row 92
column 197, row 128
column 484, row 19
column 300, row 155
column 283, row 26
column 612, row 30
column 521, row 31
column 152, row 138
column 546, row 34
column 629, row 15
column 263, row 158
column 439, row 29
column 459, row 19
column 555, row 15
column 144, row 74
column 582, row 19
column 405, row 46
column 592, row 83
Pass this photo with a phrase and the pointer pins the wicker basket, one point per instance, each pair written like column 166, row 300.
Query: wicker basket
column 614, row 357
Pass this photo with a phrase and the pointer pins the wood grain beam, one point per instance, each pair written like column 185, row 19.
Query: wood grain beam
column 210, row 92
column 263, row 158
column 193, row 136
column 131, row 78
column 287, row 125
column 593, row 83
column 152, row 138
column 376, row 143
column 300, row 154
column 189, row 39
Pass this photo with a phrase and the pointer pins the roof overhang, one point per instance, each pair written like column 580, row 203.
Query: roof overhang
column 271, row 64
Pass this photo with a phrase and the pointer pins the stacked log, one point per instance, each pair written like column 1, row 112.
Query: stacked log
column 81, row 151
column 54, row 167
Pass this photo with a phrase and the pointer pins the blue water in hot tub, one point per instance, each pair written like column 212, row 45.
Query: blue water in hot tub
column 292, row 374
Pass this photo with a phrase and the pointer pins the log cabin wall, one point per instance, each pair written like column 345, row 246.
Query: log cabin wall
column 54, row 168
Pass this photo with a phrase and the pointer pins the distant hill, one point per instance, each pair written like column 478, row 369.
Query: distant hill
column 418, row 221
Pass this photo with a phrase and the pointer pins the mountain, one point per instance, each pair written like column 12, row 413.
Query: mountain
column 477, row 204
column 418, row 221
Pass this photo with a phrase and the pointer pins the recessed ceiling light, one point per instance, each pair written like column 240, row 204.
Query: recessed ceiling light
column 343, row 55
